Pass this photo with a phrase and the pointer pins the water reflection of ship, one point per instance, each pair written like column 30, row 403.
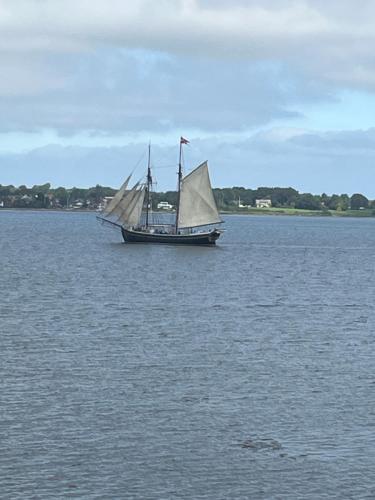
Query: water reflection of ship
column 196, row 218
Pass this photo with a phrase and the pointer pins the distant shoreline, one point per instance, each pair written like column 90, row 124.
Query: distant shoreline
column 283, row 212
column 287, row 212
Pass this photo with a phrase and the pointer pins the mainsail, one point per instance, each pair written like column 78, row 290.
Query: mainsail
column 197, row 202
column 113, row 204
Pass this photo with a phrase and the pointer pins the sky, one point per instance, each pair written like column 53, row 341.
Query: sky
column 270, row 92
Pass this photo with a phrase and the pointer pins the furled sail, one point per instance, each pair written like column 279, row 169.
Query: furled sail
column 131, row 207
column 197, row 202
column 113, row 205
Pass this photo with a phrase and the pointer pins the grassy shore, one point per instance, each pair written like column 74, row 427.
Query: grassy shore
column 308, row 213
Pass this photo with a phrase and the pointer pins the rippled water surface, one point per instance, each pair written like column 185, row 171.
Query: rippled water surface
column 161, row 372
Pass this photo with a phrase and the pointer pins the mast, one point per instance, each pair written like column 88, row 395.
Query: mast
column 182, row 141
column 149, row 184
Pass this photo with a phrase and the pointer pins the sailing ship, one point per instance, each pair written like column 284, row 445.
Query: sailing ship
column 196, row 217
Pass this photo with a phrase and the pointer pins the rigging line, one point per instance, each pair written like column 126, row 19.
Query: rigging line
column 138, row 162
column 163, row 166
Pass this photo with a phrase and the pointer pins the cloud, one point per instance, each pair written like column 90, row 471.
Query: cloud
column 110, row 91
column 325, row 38
column 314, row 162
column 216, row 65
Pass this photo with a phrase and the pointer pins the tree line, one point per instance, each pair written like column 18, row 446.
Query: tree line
column 44, row 196
column 232, row 198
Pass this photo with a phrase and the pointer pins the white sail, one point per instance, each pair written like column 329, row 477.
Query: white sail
column 135, row 215
column 197, row 202
column 132, row 211
column 113, row 204
column 127, row 199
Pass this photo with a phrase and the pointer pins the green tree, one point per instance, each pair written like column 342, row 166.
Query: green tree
column 358, row 201
column 308, row 201
column 284, row 197
column 344, row 202
column 333, row 202
column 60, row 195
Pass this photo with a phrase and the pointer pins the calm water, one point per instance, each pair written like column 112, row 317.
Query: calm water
column 161, row 372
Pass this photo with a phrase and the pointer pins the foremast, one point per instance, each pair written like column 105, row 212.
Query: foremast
column 149, row 186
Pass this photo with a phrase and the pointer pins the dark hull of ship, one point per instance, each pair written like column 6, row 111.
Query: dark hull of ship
column 208, row 238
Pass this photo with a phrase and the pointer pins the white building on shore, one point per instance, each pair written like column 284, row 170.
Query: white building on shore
column 265, row 203
column 164, row 205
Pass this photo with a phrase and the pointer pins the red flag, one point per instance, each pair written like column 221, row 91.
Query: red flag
column 184, row 141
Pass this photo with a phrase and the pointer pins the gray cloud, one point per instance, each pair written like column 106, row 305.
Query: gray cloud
column 210, row 64
column 330, row 162
column 326, row 39
column 114, row 90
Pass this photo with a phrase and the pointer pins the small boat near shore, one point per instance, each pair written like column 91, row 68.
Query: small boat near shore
column 196, row 217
